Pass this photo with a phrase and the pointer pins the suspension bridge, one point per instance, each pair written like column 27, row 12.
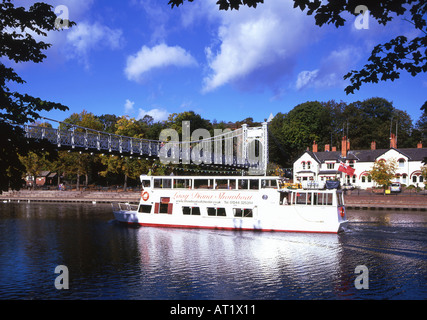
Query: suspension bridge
column 244, row 148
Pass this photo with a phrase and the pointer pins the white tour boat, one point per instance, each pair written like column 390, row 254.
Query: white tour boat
column 260, row 203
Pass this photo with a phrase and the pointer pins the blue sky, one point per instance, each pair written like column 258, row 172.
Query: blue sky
column 141, row 57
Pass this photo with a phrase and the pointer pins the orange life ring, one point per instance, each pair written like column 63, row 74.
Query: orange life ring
column 342, row 212
column 145, row 195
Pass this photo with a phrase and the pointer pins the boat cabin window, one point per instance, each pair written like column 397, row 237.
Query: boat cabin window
column 313, row 198
column 340, row 199
column 182, row 183
column 216, row 212
column 191, row 211
column 203, row 183
column 243, row 184
column 145, row 183
column 221, row 183
column 285, row 198
column 162, row 183
column 268, row 183
column 254, row 184
column 322, row 199
column 163, row 208
column 303, row 198
column 242, row 213
column 225, row 183
column 145, row 208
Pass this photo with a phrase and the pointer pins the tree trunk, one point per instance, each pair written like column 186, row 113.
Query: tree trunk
column 78, row 181
column 126, row 182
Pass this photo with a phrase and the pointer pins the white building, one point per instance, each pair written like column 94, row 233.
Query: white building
column 323, row 165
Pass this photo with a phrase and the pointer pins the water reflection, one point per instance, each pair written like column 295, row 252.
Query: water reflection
column 239, row 265
column 107, row 260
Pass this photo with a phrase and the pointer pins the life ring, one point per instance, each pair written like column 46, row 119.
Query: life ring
column 342, row 212
column 145, row 195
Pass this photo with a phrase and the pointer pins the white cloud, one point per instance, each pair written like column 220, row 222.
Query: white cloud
column 305, row 77
column 331, row 71
column 156, row 113
column 129, row 106
column 159, row 56
column 85, row 37
column 258, row 46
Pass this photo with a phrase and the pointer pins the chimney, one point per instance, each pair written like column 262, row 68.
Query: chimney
column 373, row 145
column 327, row 147
column 334, row 148
column 420, row 145
column 314, row 146
column 344, row 146
column 393, row 141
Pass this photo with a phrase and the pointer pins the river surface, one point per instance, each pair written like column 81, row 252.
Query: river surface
column 107, row 260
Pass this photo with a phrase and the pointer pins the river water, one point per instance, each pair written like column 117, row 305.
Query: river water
column 107, row 260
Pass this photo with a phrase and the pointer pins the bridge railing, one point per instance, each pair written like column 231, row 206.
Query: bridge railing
column 93, row 139
column 234, row 147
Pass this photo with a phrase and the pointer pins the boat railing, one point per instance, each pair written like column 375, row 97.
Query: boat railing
column 120, row 206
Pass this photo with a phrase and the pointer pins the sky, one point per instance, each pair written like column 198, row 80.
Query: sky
column 138, row 57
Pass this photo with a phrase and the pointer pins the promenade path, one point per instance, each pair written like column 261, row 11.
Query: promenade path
column 353, row 199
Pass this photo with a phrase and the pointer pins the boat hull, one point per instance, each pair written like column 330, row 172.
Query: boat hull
column 226, row 223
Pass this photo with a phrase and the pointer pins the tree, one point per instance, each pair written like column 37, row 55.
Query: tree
column 387, row 60
column 424, row 174
column 421, row 125
column 130, row 167
column 17, row 43
column 80, row 163
column 383, row 172
column 296, row 130
column 372, row 120
column 33, row 163
column 196, row 122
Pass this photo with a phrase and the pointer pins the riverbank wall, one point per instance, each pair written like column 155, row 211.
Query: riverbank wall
column 353, row 200
column 70, row 196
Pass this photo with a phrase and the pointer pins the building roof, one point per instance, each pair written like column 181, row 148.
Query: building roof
column 413, row 154
column 43, row 174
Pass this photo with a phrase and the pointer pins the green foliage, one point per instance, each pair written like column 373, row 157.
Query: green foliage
column 326, row 122
column 17, row 43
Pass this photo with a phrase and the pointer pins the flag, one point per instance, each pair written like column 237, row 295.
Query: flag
column 346, row 169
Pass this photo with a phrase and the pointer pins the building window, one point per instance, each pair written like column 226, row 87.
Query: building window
column 330, row 165
column 401, row 163
column 363, row 179
column 308, row 165
column 303, row 165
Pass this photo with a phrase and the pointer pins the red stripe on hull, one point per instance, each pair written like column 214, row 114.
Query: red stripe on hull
column 221, row 228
